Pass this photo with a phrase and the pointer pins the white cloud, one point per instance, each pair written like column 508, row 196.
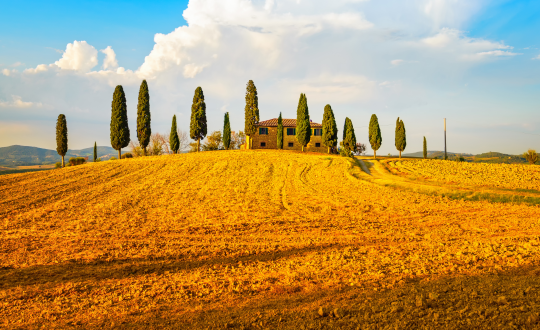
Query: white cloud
column 110, row 61
column 6, row 72
column 39, row 68
column 18, row 103
column 450, row 12
column 536, row 58
column 462, row 47
column 396, row 62
column 79, row 56
column 16, row 64
column 498, row 53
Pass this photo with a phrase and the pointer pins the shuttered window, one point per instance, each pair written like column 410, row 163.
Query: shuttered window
column 291, row 131
column 263, row 131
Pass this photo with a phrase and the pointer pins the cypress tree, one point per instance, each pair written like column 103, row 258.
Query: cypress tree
column 425, row 148
column 174, row 142
column 61, row 137
column 349, row 138
column 280, row 132
column 95, row 152
column 401, row 138
column 303, row 126
column 375, row 137
column 251, row 112
column 329, row 133
column 226, row 132
column 119, row 121
column 197, row 128
column 143, row 116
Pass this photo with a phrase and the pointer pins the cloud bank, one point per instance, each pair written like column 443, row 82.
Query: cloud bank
column 337, row 52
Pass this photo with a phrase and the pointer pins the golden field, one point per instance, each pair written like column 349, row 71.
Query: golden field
column 263, row 240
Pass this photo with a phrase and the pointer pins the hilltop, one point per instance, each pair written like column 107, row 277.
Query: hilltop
column 22, row 155
column 487, row 157
column 265, row 239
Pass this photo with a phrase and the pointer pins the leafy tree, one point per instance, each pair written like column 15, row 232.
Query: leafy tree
column 143, row 117
column 329, row 130
column 375, row 137
column 119, row 121
column 531, row 156
column 197, row 129
column 303, row 126
column 401, row 139
column 61, row 137
column 425, row 148
column 280, row 132
column 174, row 142
column 95, row 152
column 226, row 132
column 349, row 138
column 251, row 111
column 213, row 142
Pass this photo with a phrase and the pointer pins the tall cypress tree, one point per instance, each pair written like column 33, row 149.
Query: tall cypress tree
column 119, row 121
column 349, row 138
column 329, row 130
column 143, row 116
column 174, row 142
column 226, row 132
column 251, row 112
column 197, row 128
column 375, row 137
column 95, row 152
column 280, row 132
column 303, row 126
column 425, row 148
column 61, row 137
column 401, row 138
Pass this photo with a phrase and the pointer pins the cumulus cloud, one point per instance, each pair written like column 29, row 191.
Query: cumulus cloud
column 18, row 103
column 463, row 47
column 396, row 62
column 110, row 61
column 79, row 56
column 536, row 58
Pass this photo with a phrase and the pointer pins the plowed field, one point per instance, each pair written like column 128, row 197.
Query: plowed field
column 256, row 240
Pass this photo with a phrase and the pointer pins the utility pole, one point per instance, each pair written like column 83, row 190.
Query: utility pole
column 445, row 156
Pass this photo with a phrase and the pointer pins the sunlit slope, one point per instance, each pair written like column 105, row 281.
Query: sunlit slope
column 125, row 240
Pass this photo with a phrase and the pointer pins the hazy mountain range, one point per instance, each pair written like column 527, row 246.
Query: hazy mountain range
column 23, row 155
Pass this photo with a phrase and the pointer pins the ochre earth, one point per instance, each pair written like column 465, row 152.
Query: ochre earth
column 258, row 240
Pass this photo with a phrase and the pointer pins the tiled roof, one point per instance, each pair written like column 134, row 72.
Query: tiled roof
column 286, row 123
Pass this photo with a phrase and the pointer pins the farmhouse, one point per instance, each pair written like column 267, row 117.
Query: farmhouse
column 266, row 136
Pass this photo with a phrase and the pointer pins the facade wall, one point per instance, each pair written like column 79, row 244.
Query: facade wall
column 271, row 141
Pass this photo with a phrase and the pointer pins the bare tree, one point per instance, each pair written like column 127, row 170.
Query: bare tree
column 360, row 149
column 184, row 140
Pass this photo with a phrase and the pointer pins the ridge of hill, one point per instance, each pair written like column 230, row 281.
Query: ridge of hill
column 18, row 155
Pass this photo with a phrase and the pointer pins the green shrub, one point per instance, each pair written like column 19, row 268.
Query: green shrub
column 76, row 161
column 58, row 165
column 112, row 158
column 127, row 155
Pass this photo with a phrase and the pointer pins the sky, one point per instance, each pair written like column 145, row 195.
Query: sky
column 474, row 62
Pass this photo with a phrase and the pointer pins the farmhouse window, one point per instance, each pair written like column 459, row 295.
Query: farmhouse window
column 263, row 144
column 291, row 144
column 317, row 145
column 317, row 132
column 291, row 131
column 263, row 131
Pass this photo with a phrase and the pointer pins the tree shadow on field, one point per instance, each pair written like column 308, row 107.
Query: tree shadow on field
column 119, row 269
column 506, row 300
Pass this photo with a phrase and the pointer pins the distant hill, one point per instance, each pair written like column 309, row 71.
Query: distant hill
column 433, row 154
column 486, row 157
column 22, row 155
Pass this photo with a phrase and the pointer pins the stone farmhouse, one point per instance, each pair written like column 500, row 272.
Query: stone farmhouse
column 266, row 136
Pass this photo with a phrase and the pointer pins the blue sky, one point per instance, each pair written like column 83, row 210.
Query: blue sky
column 469, row 61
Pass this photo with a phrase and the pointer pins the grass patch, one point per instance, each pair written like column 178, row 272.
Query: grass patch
column 23, row 171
